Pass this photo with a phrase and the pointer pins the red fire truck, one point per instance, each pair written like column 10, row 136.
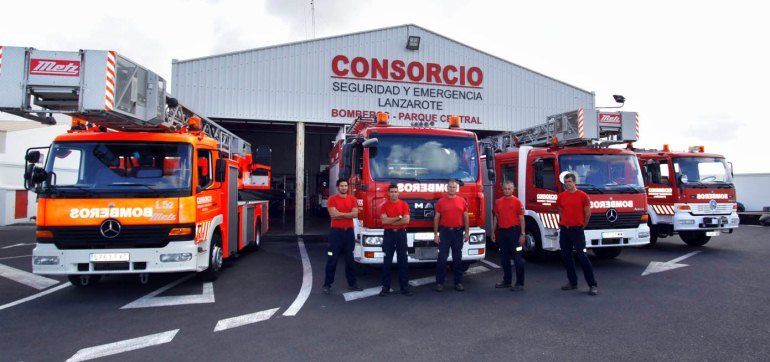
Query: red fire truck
column 537, row 158
column 689, row 193
column 140, row 184
column 420, row 160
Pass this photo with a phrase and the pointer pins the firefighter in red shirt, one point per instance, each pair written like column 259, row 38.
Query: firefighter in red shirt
column 343, row 208
column 450, row 229
column 395, row 217
column 574, row 213
column 508, row 222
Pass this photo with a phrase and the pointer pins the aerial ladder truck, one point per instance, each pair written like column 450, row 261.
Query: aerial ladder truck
column 537, row 158
column 140, row 184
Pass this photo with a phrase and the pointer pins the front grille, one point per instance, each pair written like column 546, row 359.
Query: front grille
column 131, row 236
column 705, row 209
column 626, row 220
column 111, row 266
column 421, row 210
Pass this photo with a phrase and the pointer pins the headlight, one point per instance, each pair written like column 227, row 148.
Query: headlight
column 477, row 239
column 644, row 234
column 372, row 240
column 175, row 258
column 45, row 260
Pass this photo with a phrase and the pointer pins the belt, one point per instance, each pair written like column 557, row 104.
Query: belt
column 510, row 228
column 453, row 228
column 402, row 229
column 341, row 229
column 571, row 227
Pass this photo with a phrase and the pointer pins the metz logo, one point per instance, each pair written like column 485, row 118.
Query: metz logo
column 609, row 119
column 67, row 68
column 419, row 187
column 613, row 204
column 712, row 196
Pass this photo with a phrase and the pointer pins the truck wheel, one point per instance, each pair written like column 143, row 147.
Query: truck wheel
column 533, row 248
column 84, row 281
column 257, row 237
column 653, row 234
column 215, row 259
column 694, row 238
column 606, row 253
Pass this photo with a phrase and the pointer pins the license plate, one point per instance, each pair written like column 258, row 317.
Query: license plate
column 109, row 257
column 712, row 233
column 426, row 253
column 423, row 236
column 612, row 235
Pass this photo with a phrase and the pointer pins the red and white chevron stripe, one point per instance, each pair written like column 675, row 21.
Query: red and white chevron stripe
column 550, row 220
column 109, row 94
column 663, row 209
column 581, row 133
column 1, row 59
column 637, row 126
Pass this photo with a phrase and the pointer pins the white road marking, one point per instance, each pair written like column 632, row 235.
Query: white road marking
column 123, row 346
column 35, row 296
column 370, row 292
column 657, row 266
column 15, row 245
column 152, row 300
column 307, row 283
column 493, row 265
column 245, row 319
column 754, row 226
column 31, row 280
column 15, row 257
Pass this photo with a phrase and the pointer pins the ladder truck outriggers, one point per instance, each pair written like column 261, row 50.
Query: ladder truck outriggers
column 689, row 193
column 372, row 154
column 140, row 183
column 536, row 159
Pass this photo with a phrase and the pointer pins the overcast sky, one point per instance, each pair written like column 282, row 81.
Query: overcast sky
column 697, row 72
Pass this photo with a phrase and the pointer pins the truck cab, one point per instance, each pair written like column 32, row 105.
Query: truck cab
column 690, row 194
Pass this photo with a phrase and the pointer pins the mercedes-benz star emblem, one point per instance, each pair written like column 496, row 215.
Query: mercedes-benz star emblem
column 110, row 228
column 612, row 215
column 713, row 204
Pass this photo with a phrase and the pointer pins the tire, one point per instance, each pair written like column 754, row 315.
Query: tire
column 533, row 248
column 84, row 281
column 257, row 237
column 694, row 238
column 653, row 234
column 607, row 253
column 215, row 259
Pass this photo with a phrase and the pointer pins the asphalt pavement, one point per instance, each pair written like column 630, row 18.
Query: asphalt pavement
column 707, row 303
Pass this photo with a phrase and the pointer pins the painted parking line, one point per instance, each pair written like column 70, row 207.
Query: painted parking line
column 224, row 324
column 152, row 299
column 370, row 292
column 33, row 297
column 110, row 349
column 493, row 265
column 31, row 280
column 15, row 245
column 16, row 257
column 307, row 283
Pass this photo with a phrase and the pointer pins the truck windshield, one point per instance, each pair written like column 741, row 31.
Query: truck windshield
column 100, row 169
column 424, row 158
column 703, row 170
column 604, row 173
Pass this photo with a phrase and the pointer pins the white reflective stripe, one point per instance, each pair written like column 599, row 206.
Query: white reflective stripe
column 585, row 250
column 518, row 248
column 329, row 253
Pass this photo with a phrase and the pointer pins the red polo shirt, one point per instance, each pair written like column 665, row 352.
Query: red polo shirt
column 572, row 205
column 344, row 205
column 451, row 210
column 394, row 209
column 508, row 210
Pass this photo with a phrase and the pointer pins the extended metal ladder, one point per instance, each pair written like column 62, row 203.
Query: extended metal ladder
column 102, row 87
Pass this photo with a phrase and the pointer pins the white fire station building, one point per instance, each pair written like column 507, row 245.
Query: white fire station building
column 295, row 97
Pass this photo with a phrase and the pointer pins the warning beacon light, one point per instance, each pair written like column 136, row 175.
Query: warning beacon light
column 665, row 148
column 382, row 119
column 454, row 122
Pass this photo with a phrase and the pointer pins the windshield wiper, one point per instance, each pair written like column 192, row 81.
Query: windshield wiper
column 589, row 187
column 155, row 192
column 695, row 185
column 633, row 190
column 722, row 184
column 410, row 179
column 58, row 189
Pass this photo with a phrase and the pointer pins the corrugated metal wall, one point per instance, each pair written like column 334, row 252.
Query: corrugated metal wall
column 294, row 82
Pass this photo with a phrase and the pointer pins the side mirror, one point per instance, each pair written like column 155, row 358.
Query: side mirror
column 538, row 173
column 683, row 179
column 646, row 174
column 372, row 142
column 346, row 161
column 490, row 157
column 730, row 164
column 32, row 156
column 221, row 170
column 491, row 175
